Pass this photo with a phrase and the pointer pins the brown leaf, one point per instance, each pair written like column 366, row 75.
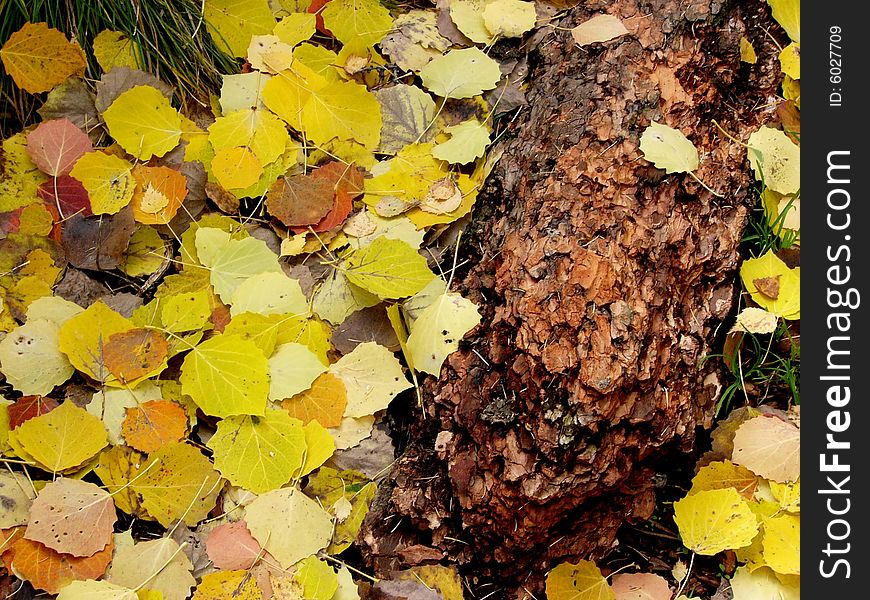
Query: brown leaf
column 225, row 201
column 300, row 200
column 132, row 354
column 28, row 407
column 98, row 243
column 74, row 101
column 366, row 325
column 769, row 286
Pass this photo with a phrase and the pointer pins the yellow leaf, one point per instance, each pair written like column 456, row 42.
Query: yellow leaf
column 788, row 14
column 143, row 122
column 107, row 179
column 318, row 60
column 268, row 54
column 509, row 18
column 318, row 580
column 19, row 176
column 259, row 454
column 790, row 60
column 295, row 28
column 115, row 49
column 582, row 581
column 287, row 92
column 774, row 286
column 775, row 159
column 292, row 370
column 761, row 584
column 95, row 590
column 228, row 585
column 244, row 90
column 333, row 487
column 358, row 24
column 714, row 520
column 372, row 376
column 444, row 579
column 769, row 447
column 30, row 359
column 319, row 447
column 388, row 268
column 38, row 58
column 181, row 484
column 267, row 294
column 289, row 525
column 781, row 544
column 725, row 474
column 323, row 402
column 468, row 141
column 233, row 261
column 116, row 468
column 747, row 52
column 226, row 375
column 232, row 23
column 788, row 495
column 467, row 15
column 351, row 431
column 83, row 338
column 668, row 149
column 343, row 110
column 236, row 168
column 257, row 130
column 438, row 329
column 62, row 439
column 337, row 298
column 157, row 565
column 145, row 253
column 461, row 73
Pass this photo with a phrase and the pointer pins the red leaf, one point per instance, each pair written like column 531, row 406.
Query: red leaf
column 347, row 183
column 314, row 8
column 28, row 407
column 67, row 194
column 55, row 146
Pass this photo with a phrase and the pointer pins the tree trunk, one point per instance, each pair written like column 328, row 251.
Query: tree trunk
column 603, row 283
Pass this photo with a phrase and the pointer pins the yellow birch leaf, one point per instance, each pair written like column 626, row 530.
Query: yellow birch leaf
column 95, row 590
column 143, row 122
column 337, row 298
column 108, row 180
column 714, row 520
column 269, row 293
column 468, row 141
column 581, row 581
column 259, row 329
column 116, row 468
column 467, row 15
column 790, row 60
column 318, row 60
column 38, row 58
column 145, row 253
column 232, row 23
column 747, row 52
column 226, row 375
column 259, row 454
column 62, row 439
column 19, row 176
column 769, row 447
column 233, row 261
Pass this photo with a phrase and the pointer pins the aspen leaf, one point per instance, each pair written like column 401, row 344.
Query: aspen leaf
column 232, row 23
column 16, row 494
column 323, row 402
column 372, row 377
column 509, row 18
column 600, row 28
column 30, row 359
column 347, row 588
column 236, row 168
column 181, row 485
column 788, row 14
column 406, row 112
column 230, row 546
column 28, row 407
column 95, row 590
column 774, row 286
column 155, row 565
column 135, row 354
column 295, row 28
column 414, row 40
column 461, row 73
column 267, row 294
column 259, row 454
column 116, row 468
column 329, row 486
column 714, row 520
column 48, row 570
column 790, row 60
column 38, row 58
column 154, row 424
column 292, row 369
column 747, row 51
column 781, row 544
column 337, row 298
column 640, row 586
column 468, row 141
column 269, row 54
column 775, row 159
column 226, row 375
column 19, row 177
column 56, row 145
column 107, row 179
column 289, row 525
column 319, row 447
column 185, row 311
column 233, row 261
column 287, row 92
column 260, row 131
column 259, row 329
column 438, row 329
column 143, row 122
column 110, row 406
column 761, row 584
column 68, row 194
column 72, row 517
column 581, row 581
column 769, row 447
column 159, row 193
column 114, row 49
column 358, row 24
column 61, row 440
column 83, row 339
column 244, row 90
column 445, row 580
column 145, row 253
column 299, row 200
column 724, row 474
column 343, row 110
column 228, row 585
column 318, row 580
column 388, row 268
column 467, row 15
column 788, row 495
column 755, row 320
column 352, row 431
column 668, row 149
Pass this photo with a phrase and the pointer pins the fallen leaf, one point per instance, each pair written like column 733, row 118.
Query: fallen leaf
column 769, row 447
column 640, row 586
column 31, row 361
column 600, row 28
column 143, row 122
column 155, row 565
column 714, row 520
column 228, row 585
column 48, row 570
column 230, row 546
column 461, row 73
column 324, row 402
column 38, row 58
column 232, row 23
column 761, row 584
column 668, row 149
column 83, row 339
column 135, row 354
column 509, row 18
column 372, row 376
column 55, row 146
column 775, row 159
column 581, row 581
column 154, row 424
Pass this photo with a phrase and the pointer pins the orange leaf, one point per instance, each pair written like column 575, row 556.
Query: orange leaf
column 8, row 537
column 48, row 570
column 158, row 195
column 323, row 402
column 154, row 424
column 347, row 183
column 129, row 355
column 300, row 200
column 39, row 58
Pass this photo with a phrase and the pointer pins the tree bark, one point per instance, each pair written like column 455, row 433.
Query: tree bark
column 603, row 283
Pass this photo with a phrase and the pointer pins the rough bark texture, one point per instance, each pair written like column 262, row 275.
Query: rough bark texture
column 603, row 282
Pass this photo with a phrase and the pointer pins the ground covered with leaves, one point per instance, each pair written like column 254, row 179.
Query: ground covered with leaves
column 208, row 301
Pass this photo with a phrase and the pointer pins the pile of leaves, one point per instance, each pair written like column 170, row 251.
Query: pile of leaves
column 201, row 311
column 744, row 500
